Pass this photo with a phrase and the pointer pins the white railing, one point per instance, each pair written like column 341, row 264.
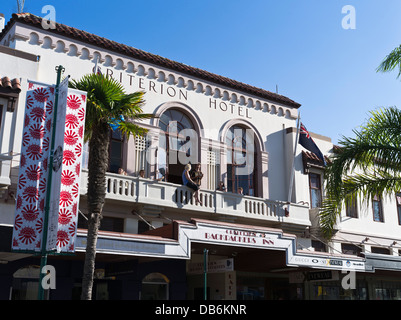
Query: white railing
column 5, row 165
column 165, row 194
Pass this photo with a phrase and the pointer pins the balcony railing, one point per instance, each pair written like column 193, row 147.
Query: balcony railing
column 165, row 194
column 5, row 164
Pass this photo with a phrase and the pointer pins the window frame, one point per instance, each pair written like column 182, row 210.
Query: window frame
column 351, row 209
column 378, row 199
column 237, row 145
column 398, row 204
column 319, row 176
column 115, row 138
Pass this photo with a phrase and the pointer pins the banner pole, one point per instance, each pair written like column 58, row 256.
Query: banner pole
column 44, row 252
column 205, row 267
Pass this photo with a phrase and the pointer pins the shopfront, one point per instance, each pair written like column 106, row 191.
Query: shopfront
column 243, row 263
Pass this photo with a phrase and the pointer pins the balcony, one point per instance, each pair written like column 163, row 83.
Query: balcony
column 157, row 194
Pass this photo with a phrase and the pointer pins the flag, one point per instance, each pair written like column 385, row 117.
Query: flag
column 65, row 186
column 307, row 142
column 34, row 169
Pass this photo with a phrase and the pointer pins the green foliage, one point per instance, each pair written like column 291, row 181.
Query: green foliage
column 107, row 101
column 392, row 61
column 364, row 167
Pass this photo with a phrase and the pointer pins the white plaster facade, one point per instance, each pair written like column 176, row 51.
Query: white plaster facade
column 213, row 109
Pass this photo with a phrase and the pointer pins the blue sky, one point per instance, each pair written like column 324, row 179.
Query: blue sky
column 298, row 45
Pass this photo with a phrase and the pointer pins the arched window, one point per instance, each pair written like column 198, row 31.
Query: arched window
column 26, row 283
column 171, row 115
column 177, row 146
column 155, row 286
column 241, row 160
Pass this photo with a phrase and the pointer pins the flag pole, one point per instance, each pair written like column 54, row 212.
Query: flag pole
column 205, row 268
column 293, row 167
column 95, row 70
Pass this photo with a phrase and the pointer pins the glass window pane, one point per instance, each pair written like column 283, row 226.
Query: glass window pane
column 314, row 181
column 315, row 197
column 377, row 214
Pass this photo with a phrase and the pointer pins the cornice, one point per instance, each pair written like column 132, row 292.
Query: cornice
column 60, row 43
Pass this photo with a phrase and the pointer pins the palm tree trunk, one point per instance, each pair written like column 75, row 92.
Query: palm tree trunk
column 90, row 256
column 97, row 167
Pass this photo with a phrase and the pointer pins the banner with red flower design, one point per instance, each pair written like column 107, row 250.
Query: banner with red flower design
column 34, row 169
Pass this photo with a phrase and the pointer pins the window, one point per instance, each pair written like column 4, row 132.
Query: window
column 177, row 146
column 141, row 145
column 398, row 200
column 351, row 208
column 377, row 209
column 213, row 169
column 351, row 249
column 155, row 286
column 241, row 161
column 107, row 223
column 380, row 250
column 318, row 246
column 25, row 284
column 142, row 226
column 315, row 190
column 112, row 224
column 116, row 151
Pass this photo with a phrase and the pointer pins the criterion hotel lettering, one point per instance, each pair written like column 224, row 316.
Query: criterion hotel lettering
column 161, row 88
column 241, row 111
column 149, row 85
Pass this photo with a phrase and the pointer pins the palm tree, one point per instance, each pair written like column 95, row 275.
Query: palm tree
column 107, row 103
column 363, row 167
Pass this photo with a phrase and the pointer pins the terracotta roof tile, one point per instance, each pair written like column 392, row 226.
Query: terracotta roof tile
column 13, row 85
column 310, row 157
column 61, row 29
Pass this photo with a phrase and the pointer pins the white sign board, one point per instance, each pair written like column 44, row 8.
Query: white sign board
column 213, row 266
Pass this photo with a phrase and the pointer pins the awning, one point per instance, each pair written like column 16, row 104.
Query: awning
column 382, row 262
column 175, row 240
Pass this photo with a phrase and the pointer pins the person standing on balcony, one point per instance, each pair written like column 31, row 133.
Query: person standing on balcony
column 197, row 175
column 187, row 181
column 221, row 187
column 142, row 173
column 122, row 171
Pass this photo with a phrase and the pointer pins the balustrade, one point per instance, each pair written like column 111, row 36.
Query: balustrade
column 147, row 191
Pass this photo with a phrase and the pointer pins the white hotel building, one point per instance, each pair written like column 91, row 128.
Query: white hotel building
column 154, row 237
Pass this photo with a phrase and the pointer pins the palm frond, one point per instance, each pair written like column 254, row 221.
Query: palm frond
column 328, row 214
column 128, row 128
column 392, row 61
